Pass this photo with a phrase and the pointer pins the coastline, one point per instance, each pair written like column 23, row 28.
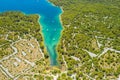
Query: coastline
column 51, row 3
column 61, row 33
column 41, row 26
column 45, row 49
column 60, row 18
column 39, row 16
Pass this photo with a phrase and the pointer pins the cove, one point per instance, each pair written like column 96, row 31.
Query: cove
column 49, row 20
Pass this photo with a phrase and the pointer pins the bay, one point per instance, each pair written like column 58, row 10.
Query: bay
column 49, row 20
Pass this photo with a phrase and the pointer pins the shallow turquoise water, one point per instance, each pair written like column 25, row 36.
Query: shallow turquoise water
column 49, row 20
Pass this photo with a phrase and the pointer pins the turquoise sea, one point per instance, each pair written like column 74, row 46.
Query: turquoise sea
column 49, row 20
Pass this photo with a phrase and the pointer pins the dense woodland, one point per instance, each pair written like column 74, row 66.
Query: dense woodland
column 90, row 26
column 16, row 25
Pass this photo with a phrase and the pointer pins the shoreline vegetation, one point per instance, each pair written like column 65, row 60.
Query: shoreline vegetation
column 60, row 35
column 45, row 49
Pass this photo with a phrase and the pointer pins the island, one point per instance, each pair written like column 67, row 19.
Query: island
column 88, row 49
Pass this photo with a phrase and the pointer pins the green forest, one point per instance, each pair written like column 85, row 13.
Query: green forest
column 91, row 34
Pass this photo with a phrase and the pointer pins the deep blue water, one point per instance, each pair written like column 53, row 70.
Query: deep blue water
column 49, row 20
